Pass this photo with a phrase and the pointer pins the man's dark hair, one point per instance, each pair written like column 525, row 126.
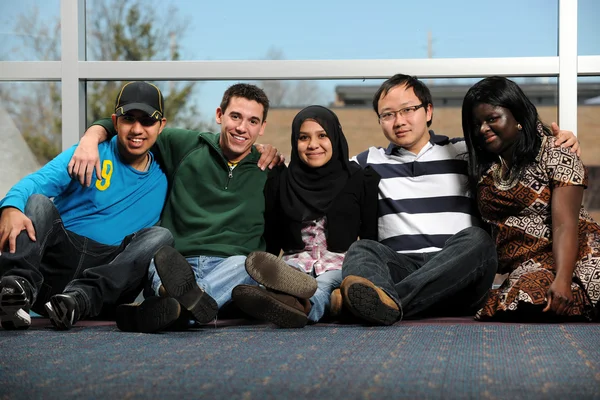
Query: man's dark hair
column 420, row 89
column 246, row 91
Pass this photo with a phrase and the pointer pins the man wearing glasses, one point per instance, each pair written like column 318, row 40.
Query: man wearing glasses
column 71, row 251
column 431, row 258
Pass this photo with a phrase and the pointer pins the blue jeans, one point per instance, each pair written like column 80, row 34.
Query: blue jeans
column 327, row 282
column 453, row 281
column 217, row 276
column 62, row 261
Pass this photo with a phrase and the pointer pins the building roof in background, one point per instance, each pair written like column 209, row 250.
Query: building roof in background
column 445, row 95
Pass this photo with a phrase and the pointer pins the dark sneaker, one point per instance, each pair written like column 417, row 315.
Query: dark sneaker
column 152, row 315
column 273, row 273
column 281, row 309
column 179, row 282
column 63, row 310
column 368, row 302
column 15, row 303
column 185, row 322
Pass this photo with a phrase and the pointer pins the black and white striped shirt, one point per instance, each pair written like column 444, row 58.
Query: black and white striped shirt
column 423, row 198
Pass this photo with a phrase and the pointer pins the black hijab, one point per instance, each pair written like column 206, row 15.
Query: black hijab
column 308, row 193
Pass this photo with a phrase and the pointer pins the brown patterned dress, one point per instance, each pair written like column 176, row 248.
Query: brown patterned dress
column 520, row 215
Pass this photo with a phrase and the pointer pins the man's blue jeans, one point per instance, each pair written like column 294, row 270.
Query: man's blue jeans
column 63, row 261
column 451, row 282
column 217, row 276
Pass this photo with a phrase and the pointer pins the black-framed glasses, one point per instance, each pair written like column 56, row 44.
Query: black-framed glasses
column 405, row 112
column 144, row 121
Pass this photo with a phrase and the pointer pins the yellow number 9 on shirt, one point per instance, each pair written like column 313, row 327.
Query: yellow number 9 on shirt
column 107, row 170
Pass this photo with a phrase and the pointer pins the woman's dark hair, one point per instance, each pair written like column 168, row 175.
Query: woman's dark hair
column 501, row 92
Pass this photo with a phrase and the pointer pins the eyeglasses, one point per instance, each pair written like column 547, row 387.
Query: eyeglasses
column 405, row 112
column 144, row 121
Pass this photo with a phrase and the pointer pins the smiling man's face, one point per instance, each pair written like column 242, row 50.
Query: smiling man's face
column 241, row 124
column 136, row 133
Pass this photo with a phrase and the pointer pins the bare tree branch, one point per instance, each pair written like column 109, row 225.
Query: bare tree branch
column 117, row 31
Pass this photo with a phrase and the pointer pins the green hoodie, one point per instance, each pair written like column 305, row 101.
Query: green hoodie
column 210, row 210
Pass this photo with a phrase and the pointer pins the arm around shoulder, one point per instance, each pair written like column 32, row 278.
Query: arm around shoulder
column 86, row 158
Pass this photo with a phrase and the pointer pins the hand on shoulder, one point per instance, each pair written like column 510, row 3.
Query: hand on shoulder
column 566, row 139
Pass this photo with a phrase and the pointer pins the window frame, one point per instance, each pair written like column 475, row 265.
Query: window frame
column 73, row 71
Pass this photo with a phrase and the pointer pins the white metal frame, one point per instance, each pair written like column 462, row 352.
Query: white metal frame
column 73, row 71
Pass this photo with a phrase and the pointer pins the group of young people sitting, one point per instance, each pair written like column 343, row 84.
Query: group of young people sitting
column 197, row 220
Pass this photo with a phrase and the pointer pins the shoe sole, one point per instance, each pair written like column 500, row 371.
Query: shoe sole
column 254, row 302
column 152, row 315
column 273, row 273
column 178, row 280
column 12, row 309
column 364, row 302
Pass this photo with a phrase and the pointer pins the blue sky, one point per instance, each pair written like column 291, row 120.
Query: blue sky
column 312, row 29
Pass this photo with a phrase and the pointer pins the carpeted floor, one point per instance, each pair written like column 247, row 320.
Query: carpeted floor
column 452, row 358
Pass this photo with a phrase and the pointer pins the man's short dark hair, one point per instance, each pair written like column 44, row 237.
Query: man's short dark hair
column 421, row 90
column 249, row 92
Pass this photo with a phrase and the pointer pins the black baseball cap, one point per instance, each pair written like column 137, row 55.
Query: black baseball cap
column 141, row 96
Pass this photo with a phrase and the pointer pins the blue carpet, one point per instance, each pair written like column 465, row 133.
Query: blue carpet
column 435, row 360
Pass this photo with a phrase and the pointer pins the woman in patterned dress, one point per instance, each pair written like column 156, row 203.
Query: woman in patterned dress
column 315, row 209
column 530, row 193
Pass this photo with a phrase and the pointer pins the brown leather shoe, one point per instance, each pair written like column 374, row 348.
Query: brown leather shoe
column 281, row 309
column 162, row 292
column 368, row 302
column 335, row 304
column 273, row 273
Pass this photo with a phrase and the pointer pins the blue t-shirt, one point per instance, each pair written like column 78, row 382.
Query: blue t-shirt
column 122, row 202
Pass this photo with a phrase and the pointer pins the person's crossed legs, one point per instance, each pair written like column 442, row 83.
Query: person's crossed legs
column 381, row 286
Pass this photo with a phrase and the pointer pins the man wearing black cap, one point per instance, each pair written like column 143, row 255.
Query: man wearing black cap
column 215, row 208
column 70, row 251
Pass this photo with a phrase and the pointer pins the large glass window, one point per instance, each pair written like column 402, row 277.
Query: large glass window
column 319, row 30
column 30, row 116
column 351, row 100
column 588, row 29
column 30, row 30
column 588, row 131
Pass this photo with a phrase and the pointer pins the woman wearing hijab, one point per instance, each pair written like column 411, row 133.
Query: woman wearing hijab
column 315, row 209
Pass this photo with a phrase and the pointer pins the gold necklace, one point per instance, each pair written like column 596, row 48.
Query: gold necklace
column 499, row 171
